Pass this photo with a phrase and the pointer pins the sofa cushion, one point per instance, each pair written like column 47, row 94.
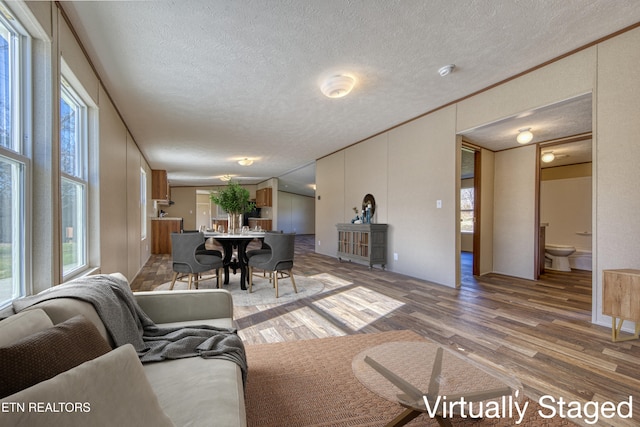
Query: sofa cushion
column 210, row 388
column 20, row 325
column 111, row 390
column 45, row 354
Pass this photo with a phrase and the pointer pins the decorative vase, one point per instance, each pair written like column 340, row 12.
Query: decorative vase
column 234, row 223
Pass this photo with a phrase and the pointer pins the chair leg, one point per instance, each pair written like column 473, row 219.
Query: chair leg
column 190, row 279
column 275, row 282
column 293, row 281
column 250, row 279
column 173, row 282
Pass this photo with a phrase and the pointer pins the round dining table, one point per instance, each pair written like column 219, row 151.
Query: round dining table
column 238, row 241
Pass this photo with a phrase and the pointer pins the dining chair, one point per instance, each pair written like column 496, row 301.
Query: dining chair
column 202, row 249
column 187, row 261
column 278, row 260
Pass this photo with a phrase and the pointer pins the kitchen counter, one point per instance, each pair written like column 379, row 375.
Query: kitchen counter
column 161, row 229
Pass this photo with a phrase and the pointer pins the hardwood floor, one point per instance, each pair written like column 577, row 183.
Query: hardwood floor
column 539, row 332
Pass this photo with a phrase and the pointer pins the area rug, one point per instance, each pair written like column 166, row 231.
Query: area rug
column 263, row 291
column 311, row 383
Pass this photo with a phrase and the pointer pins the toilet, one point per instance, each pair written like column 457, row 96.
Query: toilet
column 557, row 257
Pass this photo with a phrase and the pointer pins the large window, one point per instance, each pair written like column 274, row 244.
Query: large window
column 74, row 180
column 14, row 160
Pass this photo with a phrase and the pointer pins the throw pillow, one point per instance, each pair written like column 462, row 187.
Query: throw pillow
column 47, row 353
column 110, row 390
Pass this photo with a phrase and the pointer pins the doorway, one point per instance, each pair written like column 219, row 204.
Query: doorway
column 469, row 212
column 565, row 207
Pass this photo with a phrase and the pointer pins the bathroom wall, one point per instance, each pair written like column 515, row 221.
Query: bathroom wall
column 565, row 204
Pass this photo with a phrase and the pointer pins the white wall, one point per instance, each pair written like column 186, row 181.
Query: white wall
column 616, row 148
column 485, row 225
column 514, row 209
column 296, row 213
column 565, row 204
column 330, row 201
column 420, row 157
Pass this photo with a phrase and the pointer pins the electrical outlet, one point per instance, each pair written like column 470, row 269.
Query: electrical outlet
column 395, row 256
column 439, row 204
column 318, row 242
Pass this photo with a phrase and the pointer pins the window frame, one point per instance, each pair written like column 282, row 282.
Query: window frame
column 80, row 178
column 471, row 210
column 143, row 204
column 20, row 151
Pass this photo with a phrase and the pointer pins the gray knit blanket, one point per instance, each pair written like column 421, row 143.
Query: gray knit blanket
column 126, row 323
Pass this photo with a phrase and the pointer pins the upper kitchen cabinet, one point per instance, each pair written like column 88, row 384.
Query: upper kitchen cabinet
column 159, row 185
column 263, row 197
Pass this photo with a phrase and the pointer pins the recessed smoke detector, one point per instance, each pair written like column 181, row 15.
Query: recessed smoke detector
column 446, row 70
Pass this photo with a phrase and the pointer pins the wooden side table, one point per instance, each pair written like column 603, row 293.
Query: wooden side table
column 621, row 300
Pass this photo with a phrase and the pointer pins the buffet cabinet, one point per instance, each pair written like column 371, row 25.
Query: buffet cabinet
column 363, row 243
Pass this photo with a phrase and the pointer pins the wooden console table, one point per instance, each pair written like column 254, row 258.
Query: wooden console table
column 363, row 242
column 621, row 300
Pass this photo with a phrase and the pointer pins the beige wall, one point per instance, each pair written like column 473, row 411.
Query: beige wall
column 609, row 70
column 296, row 213
column 617, row 151
column 565, row 205
column 514, row 207
column 330, row 202
column 487, row 166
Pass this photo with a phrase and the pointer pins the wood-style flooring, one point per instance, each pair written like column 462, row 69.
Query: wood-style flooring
column 539, row 332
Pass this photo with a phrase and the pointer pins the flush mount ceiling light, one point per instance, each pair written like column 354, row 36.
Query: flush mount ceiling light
column 446, row 70
column 548, row 157
column 524, row 136
column 225, row 178
column 337, row 86
column 245, row 162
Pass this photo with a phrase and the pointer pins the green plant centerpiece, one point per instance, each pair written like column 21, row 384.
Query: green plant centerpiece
column 234, row 199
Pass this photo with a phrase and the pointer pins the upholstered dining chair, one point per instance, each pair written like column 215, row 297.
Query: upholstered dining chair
column 202, row 249
column 278, row 260
column 187, row 261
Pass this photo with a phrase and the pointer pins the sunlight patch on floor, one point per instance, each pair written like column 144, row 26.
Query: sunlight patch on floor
column 305, row 322
column 357, row 307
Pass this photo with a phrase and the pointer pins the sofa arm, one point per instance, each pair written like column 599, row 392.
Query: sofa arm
column 181, row 306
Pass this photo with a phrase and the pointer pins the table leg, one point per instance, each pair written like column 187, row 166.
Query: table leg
column 406, row 416
column 242, row 261
column 227, row 247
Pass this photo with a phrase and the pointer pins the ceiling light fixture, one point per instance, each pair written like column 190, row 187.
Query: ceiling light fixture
column 337, row 86
column 548, row 157
column 446, row 70
column 225, row 178
column 524, row 136
column 245, row 162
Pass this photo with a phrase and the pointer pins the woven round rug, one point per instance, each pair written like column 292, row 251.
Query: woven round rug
column 263, row 291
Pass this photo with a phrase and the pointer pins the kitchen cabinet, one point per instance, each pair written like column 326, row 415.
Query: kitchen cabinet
column 159, row 185
column 263, row 197
column 363, row 242
column 265, row 224
column 161, row 229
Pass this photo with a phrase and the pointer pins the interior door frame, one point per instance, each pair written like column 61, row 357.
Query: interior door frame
column 477, row 159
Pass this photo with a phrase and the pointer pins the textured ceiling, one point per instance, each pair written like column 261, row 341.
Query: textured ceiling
column 202, row 84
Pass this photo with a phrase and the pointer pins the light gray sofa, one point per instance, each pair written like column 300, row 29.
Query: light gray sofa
column 115, row 388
